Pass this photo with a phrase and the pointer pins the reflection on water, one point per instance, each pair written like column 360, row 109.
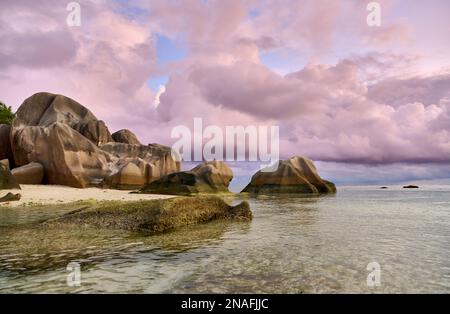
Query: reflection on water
column 293, row 245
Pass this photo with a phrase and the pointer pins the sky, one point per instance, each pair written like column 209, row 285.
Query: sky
column 368, row 104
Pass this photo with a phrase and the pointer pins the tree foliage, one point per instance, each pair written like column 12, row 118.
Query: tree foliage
column 6, row 114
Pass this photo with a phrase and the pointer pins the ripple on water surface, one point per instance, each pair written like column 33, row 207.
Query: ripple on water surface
column 293, row 245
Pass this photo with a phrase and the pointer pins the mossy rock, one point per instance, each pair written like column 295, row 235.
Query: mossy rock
column 154, row 215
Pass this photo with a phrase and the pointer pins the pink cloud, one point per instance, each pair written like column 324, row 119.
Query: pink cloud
column 325, row 112
column 105, row 63
column 360, row 97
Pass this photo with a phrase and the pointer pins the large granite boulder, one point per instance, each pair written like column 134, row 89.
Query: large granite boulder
column 76, row 149
column 154, row 160
column 45, row 109
column 126, row 137
column 5, row 143
column 297, row 175
column 61, row 135
column 7, row 181
column 129, row 177
column 33, row 173
column 216, row 174
column 67, row 156
column 208, row 177
column 94, row 130
column 45, row 113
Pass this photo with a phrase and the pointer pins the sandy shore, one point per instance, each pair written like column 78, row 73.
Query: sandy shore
column 54, row 194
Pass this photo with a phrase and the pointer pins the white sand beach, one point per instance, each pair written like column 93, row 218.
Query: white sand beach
column 55, row 194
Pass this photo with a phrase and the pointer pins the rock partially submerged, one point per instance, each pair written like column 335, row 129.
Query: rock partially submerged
column 154, row 215
column 10, row 197
column 208, row 177
column 410, row 187
column 297, row 175
column 7, row 181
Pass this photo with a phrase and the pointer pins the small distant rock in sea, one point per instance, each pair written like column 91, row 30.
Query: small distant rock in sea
column 410, row 187
column 384, row 187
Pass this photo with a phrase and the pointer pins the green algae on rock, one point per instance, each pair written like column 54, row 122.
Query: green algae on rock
column 153, row 215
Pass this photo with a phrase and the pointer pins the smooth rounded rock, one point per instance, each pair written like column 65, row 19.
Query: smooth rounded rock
column 297, row 175
column 125, row 136
column 33, row 173
column 129, row 177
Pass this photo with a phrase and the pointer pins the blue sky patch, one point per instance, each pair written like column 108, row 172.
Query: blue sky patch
column 156, row 81
column 168, row 50
column 283, row 62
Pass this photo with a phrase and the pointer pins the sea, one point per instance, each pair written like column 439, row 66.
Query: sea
column 361, row 240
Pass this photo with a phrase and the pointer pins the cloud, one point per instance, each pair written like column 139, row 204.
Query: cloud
column 427, row 90
column 361, row 95
column 157, row 101
column 387, row 174
column 40, row 50
column 326, row 112
column 104, row 64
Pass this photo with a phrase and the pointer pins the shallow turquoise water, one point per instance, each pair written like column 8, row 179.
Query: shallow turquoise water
column 293, row 245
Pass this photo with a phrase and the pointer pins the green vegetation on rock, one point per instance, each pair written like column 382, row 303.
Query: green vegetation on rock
column 6, row 114
column 153, row 215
